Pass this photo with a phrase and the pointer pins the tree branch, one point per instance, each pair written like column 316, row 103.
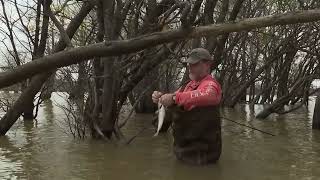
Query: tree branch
column 63, row 33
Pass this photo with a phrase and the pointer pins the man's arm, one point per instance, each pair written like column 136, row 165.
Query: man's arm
column 209, row 94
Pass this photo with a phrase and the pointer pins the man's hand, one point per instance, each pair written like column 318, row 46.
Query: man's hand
column 167, row 100
column 156, row 96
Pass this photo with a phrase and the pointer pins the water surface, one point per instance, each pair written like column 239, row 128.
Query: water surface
column 42, row 150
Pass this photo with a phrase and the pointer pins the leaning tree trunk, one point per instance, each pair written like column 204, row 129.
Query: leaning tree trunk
column 316, row 114
column 277, row 105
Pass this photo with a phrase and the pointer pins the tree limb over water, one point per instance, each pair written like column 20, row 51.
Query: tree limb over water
column 115, row 48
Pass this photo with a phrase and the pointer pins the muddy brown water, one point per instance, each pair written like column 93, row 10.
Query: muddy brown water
column 42, row 150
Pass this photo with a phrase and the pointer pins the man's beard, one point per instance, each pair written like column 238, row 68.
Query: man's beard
column 196, row 78
column 191, row 76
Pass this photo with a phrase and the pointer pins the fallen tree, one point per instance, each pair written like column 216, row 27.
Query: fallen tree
column 115, row 48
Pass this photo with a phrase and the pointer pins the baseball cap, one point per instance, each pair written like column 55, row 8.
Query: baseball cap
column 197, row 55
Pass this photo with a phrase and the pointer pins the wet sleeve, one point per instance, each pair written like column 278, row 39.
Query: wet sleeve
column 206, row 95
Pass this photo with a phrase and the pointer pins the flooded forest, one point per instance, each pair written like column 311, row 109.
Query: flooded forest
column 76, row 79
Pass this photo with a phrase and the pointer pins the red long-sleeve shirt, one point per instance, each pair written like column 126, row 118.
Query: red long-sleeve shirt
column 202, row 93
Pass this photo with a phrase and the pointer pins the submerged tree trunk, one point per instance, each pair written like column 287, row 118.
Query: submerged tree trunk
column 48, row 88
column 38, row 52
column 109, row 98
column 107, row 86
column 28, row 111
column 316, row 114
column 80, row 86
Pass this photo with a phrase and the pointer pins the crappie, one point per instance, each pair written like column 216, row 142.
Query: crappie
column 161, row 115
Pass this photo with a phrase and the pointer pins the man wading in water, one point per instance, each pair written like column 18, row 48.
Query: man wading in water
column 194, row 111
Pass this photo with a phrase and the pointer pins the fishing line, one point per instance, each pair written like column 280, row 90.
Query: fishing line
column 253, row 128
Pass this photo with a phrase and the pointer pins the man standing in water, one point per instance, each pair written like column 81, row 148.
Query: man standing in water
column 194, row 111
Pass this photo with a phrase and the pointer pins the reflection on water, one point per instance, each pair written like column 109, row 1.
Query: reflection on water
column 41, row 150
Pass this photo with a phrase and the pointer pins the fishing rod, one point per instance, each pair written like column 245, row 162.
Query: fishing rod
column 133, row 137
column 253, row 128
column 141, row 131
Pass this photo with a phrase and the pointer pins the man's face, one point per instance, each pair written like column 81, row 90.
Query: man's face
column 198, row 70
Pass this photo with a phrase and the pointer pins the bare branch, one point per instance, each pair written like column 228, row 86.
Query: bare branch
column 16, row 54
column 63, row 33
